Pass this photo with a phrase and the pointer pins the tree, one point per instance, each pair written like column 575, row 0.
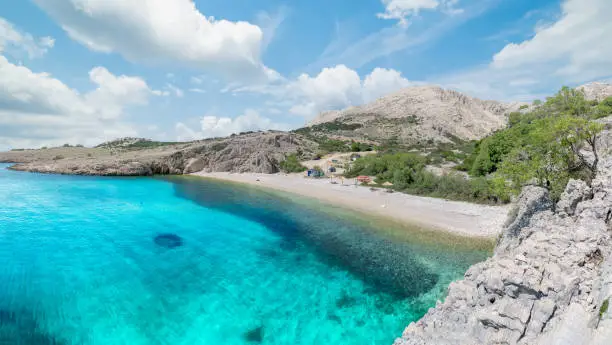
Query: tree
column 553, row 152
column 573, row 133
column 569, row 101
column 291, row 164
column 603, row 109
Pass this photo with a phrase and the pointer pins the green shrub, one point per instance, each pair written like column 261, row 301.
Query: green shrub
column 408, row 174
column 291, row 164
column 604, row 308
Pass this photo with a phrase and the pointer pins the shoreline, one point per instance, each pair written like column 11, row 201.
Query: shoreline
column 453, row 217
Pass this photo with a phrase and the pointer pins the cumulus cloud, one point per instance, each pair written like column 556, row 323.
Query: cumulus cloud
column 162, row 30
column 332, row 88
column 574, row 44
column 570, row 51
column 402, row 10
column 37, row 109
column 214, row 126
column 16, row 42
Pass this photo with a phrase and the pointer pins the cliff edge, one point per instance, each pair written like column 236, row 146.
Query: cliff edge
column 549, row 281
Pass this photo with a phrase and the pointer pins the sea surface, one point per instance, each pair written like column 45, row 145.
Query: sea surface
column 83, row 262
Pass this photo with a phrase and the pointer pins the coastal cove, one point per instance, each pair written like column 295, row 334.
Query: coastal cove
column 185, row 260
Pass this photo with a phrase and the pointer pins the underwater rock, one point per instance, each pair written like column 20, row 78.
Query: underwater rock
column 168, row 240
column 345, row 301
column 255, row 335
column 21, row 329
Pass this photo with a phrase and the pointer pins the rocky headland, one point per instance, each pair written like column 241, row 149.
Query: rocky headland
column 549, row 281
column 259, row 152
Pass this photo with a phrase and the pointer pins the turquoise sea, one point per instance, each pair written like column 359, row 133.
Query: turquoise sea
column 81, row 265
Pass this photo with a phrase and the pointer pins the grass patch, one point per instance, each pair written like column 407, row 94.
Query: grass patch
column 604, row 307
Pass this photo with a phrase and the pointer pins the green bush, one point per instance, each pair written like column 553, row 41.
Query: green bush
column 360, row 147
column 543, row 145
column 604, row 308
column 291, row 164
column 408, row 174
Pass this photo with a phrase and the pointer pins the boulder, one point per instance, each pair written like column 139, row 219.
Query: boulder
column 531, row 201
column 575, row 192
column 194, row 165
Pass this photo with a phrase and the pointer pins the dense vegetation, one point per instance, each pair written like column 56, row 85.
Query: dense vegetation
column 333, row 126
column 407, row 172
column 292, row 164
column 545, row 146
column 134, row 144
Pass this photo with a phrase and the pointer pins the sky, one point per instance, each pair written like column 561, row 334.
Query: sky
column 88, row 71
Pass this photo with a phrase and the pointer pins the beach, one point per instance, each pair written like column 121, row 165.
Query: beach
column 458, row 218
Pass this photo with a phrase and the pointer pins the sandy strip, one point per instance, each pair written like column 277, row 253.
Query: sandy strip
column 459, row 218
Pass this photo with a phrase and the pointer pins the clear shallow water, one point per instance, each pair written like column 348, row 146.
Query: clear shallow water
column 80, row 266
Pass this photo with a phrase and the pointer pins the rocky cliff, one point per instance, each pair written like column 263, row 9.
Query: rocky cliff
column 259, row 152
column 422, row 113
column 549, row 281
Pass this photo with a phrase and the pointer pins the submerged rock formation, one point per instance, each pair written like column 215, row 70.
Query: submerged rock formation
column 549, row 281
column 169, row 241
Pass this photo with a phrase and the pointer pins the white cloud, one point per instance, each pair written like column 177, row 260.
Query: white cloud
column 354, row 53
column 197, row 90
column 333, row 88
column 114, row 92
column 571, row 47
column 14, row 41
column 196, row 80
column 382, row 82
column 178, row 92
column 570, row 51
column 269, row 23
column 160, row 31
column 402, row 10
column 37, row 109
column 214, row 126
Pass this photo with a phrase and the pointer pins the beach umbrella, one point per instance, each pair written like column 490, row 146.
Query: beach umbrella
column 387, row 184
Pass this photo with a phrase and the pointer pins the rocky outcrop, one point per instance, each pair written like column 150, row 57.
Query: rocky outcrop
column 547, row 282
column 259, row 152
column 422, row 113
column 597, row 91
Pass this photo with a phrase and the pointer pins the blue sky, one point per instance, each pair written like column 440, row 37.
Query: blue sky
column 83, row 71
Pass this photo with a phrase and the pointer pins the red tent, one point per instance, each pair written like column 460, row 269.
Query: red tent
column 364, row 179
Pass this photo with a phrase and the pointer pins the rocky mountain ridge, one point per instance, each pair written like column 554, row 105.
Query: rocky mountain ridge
column 424, row 113
column 596, row 90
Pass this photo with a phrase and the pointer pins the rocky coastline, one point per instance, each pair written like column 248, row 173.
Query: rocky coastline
column 548, row 282
column 259, row 152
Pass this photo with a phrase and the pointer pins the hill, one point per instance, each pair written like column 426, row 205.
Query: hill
column 416, row 115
